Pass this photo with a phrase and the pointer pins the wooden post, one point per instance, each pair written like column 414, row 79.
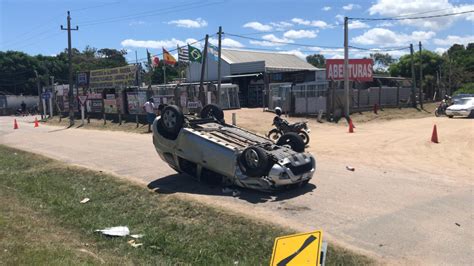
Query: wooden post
column 398, row 95
column 120, row 119
column 105, row 121
column 234, row 119
column 136, row 119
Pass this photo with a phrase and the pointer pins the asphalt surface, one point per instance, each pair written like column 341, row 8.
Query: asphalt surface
column 395, row 214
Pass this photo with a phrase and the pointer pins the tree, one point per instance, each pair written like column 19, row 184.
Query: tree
column 382, row 62
column 316, row 60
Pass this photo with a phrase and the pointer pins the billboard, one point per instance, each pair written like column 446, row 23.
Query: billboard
column 118, row 77
column 359, row 69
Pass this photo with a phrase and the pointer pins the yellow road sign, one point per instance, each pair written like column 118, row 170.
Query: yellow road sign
column 298, row 249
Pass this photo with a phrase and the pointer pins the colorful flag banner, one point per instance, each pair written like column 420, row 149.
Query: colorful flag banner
column 148, row 56
column 183, row 55
column 168, row 58
column 195, row 54
column 212, row 52
column 155, row 61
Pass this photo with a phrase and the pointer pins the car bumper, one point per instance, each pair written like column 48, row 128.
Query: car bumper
column 458, row 112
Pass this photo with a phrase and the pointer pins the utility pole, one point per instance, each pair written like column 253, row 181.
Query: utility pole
column 51, row 97
column 346, row 66
column 69, row 55
column 164, row 74
column 202, row 97
column 413, row 78
column 219, row 65
column 39, row 94
column 421, row 77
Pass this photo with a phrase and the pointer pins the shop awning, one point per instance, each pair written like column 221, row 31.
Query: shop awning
column 244, row 75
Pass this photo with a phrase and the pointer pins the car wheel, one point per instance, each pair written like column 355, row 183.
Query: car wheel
column 274, row 134
column 172, row 119
column 450, row 116
column 254, row 161
column 292, row 140
column 304, row 136
column 212, row 110
column 471, row 114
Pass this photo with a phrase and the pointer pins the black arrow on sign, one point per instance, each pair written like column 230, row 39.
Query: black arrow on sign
column 306, row 243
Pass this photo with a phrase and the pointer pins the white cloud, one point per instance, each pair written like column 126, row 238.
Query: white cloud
column 272, row 40
column 189, row 23
column 384, row 37
column 258, row 26
column 350, row 7
column 453, row 39
column 300, row 34
column 440, row 50
column 339, row 18
column 357, row 24
column 314, row 23
column 282, row 25
column 157, row 44
column 295, row 52
column 227, row 42
column 385, row 24
column 136, row 23
column 389, row 8
column 326, row 8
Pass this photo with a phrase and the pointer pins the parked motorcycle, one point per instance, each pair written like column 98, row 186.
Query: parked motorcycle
column 443, row 105
column 282, row 126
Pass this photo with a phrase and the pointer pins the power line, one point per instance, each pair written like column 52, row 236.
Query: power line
column 413, row 18
column 278, row 42
column 387, row 49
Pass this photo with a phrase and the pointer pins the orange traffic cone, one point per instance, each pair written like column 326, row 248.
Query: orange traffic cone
column 36, row 122
column 15, row 125
column 351, row 126
column 434, row 135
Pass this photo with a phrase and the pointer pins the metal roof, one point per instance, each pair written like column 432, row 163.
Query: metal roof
column 273, row 61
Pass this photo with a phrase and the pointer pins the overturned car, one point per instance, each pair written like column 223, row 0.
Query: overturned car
column 206, row 145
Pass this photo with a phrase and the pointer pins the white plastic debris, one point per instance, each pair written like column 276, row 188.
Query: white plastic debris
column 134, row 244
column 235, row 193
column 137, row 236
column 350, row 168
column 85, row 200
column 115, row 231
column 227, row 190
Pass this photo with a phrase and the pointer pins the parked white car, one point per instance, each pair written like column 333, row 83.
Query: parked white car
column 462, row 107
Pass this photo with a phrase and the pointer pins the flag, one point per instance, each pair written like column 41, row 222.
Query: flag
column 168, row 58
column 195, row 54
column 213, row 52
column 155, row 61
column 183, row 55
column 148, row 56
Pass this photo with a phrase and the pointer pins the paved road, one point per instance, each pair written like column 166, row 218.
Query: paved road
column 396, row 215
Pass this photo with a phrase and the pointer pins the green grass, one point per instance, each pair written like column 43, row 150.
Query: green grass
column 42, row 221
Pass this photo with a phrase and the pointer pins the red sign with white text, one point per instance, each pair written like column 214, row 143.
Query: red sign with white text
column 359, row 69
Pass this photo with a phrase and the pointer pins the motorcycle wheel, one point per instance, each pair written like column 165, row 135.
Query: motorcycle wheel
column 304, row 136
column 274, row 134
column 436, row 112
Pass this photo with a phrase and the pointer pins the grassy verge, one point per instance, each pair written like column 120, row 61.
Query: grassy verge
column 42, row 221
column 99, row 124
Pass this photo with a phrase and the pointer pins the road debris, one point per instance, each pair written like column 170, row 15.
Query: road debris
column 134, row 244
column 457, row 224
column 85, row 200
column 137, row 236
column 115, row 231
column 350, row 168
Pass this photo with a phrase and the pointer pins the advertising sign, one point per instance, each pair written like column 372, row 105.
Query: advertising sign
column 136, row 100
column 119, row 77
column 359, row 69
column 82, row 78
column 110, row 104
column 96, row 105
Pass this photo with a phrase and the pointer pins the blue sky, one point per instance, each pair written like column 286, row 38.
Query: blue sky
column 34, row 26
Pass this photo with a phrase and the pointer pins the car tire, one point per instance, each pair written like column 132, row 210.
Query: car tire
column 471, row 114
column 304, row 136
column 293, row 140
column 274, row 134
column 212, row 110
column 171, row 120
column 450, row 116
column 254, row 162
